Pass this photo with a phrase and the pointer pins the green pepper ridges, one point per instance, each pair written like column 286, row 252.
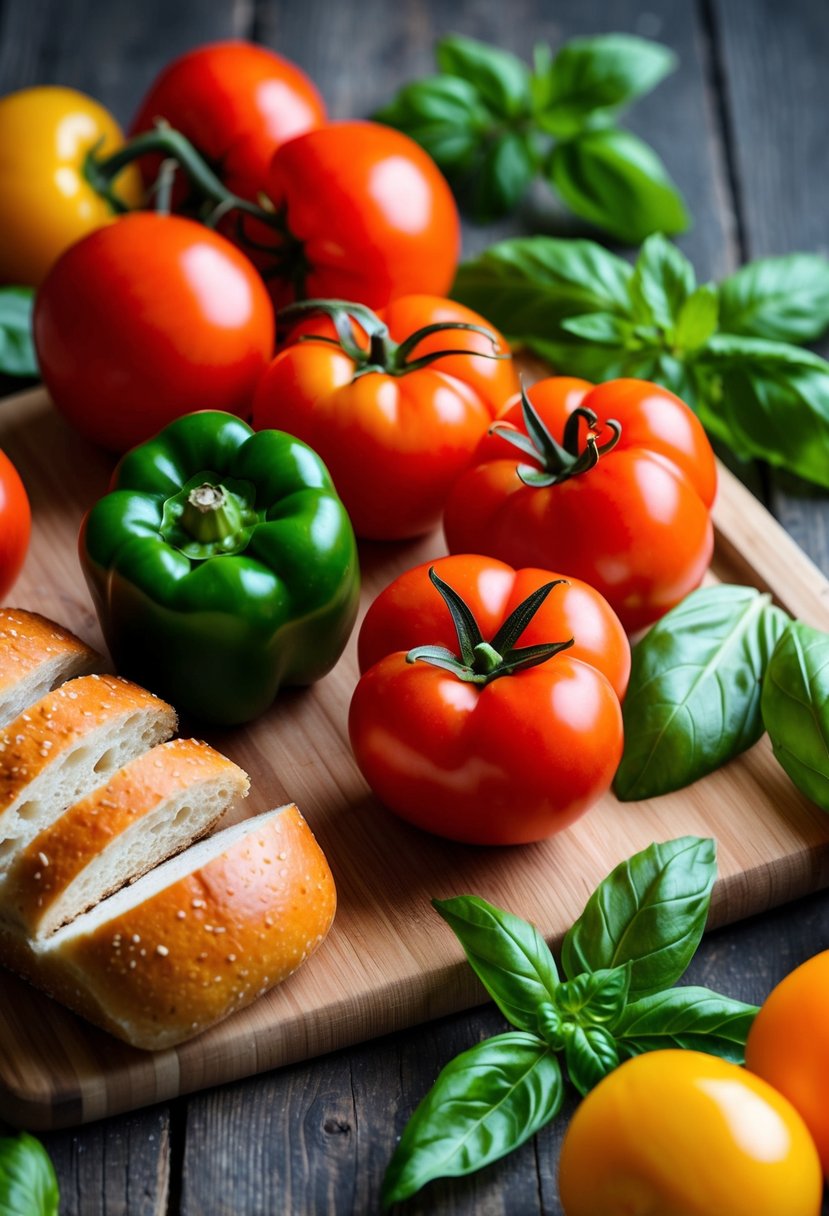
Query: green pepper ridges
column 223, row 565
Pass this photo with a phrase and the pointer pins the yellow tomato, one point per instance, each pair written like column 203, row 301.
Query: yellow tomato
column 679, row 1133
column 789, row 1045
column 46, row 201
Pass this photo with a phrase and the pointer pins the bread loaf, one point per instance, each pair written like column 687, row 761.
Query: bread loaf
column 156, row 805
column 66, row 744
column 36, row 656
column 200, row 936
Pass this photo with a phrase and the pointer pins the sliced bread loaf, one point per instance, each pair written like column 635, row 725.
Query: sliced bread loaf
column 36, row 656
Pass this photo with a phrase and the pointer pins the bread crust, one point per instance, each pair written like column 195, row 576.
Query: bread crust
column 29, row 642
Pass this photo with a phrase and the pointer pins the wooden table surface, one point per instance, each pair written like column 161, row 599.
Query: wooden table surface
column 742, row 128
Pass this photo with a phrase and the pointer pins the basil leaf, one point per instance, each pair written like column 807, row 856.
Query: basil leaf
column 28, row 1184
column 650, row 911
column 614, row 180
column 486, row 1102
column 795, row 707
column 785, row 299
column 590, row 1053
column 527, row 286
column 586, row 359
column 443, row 114
column 697, row 318
column 601, row 327
column 498, row 178
column 508, row 955
column 595, row 997
column 663, row 279
column 693, row 701
column 599, row 74
column 17, row 348
column 692, row 1018
column 501, row 79
column 772, row 402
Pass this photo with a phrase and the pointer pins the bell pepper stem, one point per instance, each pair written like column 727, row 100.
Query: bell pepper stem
column 210, row 514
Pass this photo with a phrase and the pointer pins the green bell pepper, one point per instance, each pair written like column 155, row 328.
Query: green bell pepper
column 223, row 565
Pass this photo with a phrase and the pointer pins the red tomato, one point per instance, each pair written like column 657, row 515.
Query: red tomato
column 15, row 524
column 368, row 217
column 394, row 440
column 635, row 524
column 148, row 319
column 788, row 1045
column 504, row 762
column 237, row 103
column 411, row 612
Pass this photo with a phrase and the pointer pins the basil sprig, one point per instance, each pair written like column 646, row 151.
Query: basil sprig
column 795, row 708
column 635, row 938
column 28, row 1184
column 727, row 350
column 17, row 349
column 693, row 701
column 493, row 125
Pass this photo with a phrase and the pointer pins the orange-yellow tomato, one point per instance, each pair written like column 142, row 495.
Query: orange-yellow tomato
column 46, row 201
column 789, row 1045
column 679, row 1133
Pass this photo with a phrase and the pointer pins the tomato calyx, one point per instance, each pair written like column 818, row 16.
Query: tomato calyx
column 479, row 661
column 382, row 355
column 559, row 461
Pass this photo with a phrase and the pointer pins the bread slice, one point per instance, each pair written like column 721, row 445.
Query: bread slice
column 152, row 808
column 200, row 936
column 66, row 744
column 36, row 656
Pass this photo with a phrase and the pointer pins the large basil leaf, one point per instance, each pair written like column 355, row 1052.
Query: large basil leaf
column 663, row 279
column 508, row 955
column 613, row 179
column 697, row 318
column 600, row 73
column 795, row 708
column 485, row 1103
column 693, row 701
column 501, row 79
column 444, row 114
column 590, row 1053
column 527, row 286
column 650, row 912
column 785, row 299
column 28, row 1185
column 692, row 1018
column 17, row 348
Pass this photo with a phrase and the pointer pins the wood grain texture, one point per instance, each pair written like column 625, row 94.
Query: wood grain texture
column 389, row 962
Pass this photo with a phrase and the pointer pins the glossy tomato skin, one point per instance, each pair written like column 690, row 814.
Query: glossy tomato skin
column 788, row 1045
column 236, row 102
column 636, row 527
column 410, row 612
column 46, row 201
column 15, row 524
column 146, row 320
column 679, row 1133
column 394, row 444
column 373, row 215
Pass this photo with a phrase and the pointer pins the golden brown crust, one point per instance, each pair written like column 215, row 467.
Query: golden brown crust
column 208, row 944
column 27, row 640
column 59, row 853
column 60, row 720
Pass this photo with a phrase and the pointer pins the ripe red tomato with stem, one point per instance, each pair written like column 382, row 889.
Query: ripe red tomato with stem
column 148, row 319
column 489, row 742
column 394, row 403
column 614, row 486
column 15, row 524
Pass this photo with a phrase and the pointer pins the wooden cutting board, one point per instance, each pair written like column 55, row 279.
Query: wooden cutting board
column 389, row 961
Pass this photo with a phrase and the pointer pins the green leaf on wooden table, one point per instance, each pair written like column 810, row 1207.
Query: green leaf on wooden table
column 443, row 114
column 501, row 79
column 28, row 1184
column 692, row 1018
column 17, row 349
column 499, row 178
column 485, row 1103
column 663, row 279
column 595, row 998
column 795, row 708
column 508, row 955
column 600, row 73
column 784, row 299
column 693, row 701
column 527, row 286
column 697, row 319
column 590, row 1053
column 613, row 179
column 650, row 912
column 772, row 402
column 602, row 328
